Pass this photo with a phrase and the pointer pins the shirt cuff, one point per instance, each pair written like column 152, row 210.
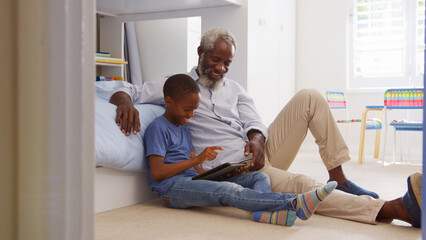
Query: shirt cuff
column 261, row 129
column 124, row 89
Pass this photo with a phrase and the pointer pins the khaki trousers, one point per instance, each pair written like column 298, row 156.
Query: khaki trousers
column 309, row 110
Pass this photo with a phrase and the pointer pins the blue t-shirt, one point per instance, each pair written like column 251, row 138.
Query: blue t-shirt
column 171, row 142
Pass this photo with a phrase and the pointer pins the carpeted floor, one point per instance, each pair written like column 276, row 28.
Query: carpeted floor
column 153, row 221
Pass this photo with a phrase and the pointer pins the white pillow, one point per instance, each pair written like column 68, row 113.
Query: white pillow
column 104, row 88
column 113, row 149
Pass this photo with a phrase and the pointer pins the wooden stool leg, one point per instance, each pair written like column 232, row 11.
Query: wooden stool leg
column 377, row 145
column 385, row 131
column 362, row 137
column 377, row 141
column 394, row 145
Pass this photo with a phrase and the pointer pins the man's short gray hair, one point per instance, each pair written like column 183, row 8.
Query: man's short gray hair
column 210, row 37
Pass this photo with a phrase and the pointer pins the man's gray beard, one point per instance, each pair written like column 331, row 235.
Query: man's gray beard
column 204, row 80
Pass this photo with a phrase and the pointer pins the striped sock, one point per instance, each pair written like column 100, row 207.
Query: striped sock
column 308, row 202
column 282, row 217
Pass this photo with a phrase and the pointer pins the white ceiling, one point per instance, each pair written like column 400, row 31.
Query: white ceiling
column 117, row 7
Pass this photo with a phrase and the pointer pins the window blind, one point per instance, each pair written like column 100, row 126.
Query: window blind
column 386, row 43
column 379, row 38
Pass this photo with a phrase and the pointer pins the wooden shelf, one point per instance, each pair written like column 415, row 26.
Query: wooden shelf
column 115, row 61
column 109, row 64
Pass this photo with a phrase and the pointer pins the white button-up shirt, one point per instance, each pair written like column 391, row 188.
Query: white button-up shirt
column 224, row 117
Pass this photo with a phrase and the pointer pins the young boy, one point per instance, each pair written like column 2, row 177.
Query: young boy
column 172, row 164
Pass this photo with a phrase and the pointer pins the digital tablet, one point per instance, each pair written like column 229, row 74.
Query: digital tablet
column 219, row 171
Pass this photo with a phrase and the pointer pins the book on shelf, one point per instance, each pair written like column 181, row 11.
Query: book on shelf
column 103, row 54
column 110, row 60
column 104, row 78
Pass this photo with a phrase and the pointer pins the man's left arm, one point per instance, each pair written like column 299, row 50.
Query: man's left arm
column 255, row 131
column 255, row 146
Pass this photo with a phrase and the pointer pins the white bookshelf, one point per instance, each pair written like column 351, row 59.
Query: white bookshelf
column 110, row 38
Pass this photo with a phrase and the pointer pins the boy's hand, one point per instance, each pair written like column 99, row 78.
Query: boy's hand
column 208, row 154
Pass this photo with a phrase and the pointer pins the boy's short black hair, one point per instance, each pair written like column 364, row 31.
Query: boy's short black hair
column 179, row 86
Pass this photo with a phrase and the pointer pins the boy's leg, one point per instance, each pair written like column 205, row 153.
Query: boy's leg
column 339, row 204
column 307, row 202
column 309, row 110
column 260, row 182
column 254, row 180
column 185, row 193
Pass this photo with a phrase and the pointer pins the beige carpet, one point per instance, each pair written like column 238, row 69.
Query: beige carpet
column 152, row 221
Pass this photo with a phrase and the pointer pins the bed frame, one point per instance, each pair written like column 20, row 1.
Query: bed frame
column 116, row 189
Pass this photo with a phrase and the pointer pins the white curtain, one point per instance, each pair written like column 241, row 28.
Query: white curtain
column 131, row 54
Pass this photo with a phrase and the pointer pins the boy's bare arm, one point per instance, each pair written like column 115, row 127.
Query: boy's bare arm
column 161, row 171
column 199, row 170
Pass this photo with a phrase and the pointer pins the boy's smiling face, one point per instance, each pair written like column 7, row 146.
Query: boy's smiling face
column 179, row 111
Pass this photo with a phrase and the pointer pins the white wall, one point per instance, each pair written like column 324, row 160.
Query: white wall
column 233, row 18
column 46, row 129
column 321, row 63
column 162, row 47
column 167, row 46
column 265, row 59
column 8, row 126
column 193, row 41
column 271, row 59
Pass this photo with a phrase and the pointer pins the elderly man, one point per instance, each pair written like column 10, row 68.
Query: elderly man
column 227, row 117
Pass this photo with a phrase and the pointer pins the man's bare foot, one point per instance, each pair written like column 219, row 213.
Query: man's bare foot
column 394, row 210
column 408, row 207
column 412, row 200
column 336, row 174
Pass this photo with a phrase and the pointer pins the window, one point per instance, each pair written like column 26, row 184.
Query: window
column 386, row 44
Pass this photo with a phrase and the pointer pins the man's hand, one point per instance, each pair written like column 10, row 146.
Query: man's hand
column 255, row 146
column 236, row 172
column 127, row 115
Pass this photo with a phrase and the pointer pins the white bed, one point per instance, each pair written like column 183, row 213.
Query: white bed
column 120, row 177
